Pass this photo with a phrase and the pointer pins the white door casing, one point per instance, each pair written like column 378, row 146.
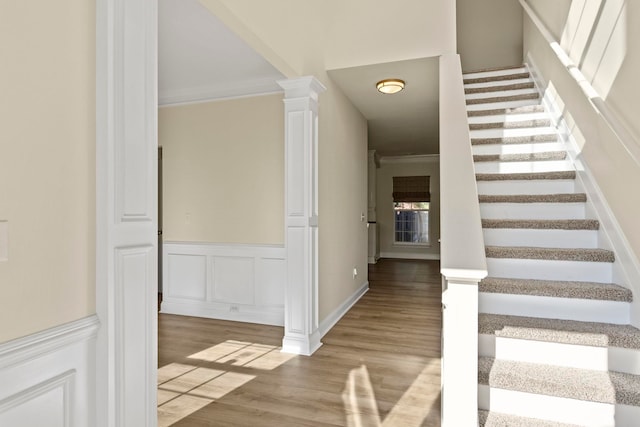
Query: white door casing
column 126, row 214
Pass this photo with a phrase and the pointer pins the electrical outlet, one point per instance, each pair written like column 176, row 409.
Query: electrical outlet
column 234, row 309
column 355, row 272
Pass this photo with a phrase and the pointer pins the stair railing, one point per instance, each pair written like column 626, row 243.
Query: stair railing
column 463, row 261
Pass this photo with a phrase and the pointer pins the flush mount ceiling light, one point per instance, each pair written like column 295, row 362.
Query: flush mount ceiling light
column 389, row 86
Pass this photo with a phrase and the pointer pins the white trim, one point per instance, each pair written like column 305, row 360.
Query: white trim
column 22, row 350
column 409, row 255
column 249, row 289
column 418, row 158
column 49, row 377
column 626, row 269
column 256, row 88
column 337, row 314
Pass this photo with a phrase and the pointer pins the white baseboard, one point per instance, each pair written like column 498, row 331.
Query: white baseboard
column 243, row 283
column 626, row 268
column 333, row 318
column 373, row 259
column 48, row 378
column 410, row 255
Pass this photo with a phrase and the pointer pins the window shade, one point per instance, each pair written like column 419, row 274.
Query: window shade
column 411, row 189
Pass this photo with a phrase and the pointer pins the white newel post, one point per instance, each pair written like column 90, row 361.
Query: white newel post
column 301, row 335
column 126, row 212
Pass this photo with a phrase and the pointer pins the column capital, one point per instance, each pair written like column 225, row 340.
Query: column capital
column 299, row 87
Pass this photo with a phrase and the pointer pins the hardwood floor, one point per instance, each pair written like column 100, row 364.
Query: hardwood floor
column 379, row 366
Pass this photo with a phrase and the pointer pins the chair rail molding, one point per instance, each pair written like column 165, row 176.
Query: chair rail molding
column 301, row 334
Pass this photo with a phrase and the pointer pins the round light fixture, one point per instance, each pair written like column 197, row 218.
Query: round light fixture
column 389, row 86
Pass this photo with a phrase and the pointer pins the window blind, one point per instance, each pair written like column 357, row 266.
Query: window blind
column 411, row 189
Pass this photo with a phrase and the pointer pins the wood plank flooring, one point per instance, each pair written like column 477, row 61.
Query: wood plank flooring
column 379, row 366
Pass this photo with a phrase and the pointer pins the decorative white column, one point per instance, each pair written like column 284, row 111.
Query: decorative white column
column 126, row 213
column 301, row 334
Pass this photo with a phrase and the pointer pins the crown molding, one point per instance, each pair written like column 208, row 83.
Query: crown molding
column 265, row 86
column 416, row 158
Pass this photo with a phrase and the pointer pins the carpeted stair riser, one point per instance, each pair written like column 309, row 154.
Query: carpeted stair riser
column 543, row 224
column 525, row 176
column 556, row 289
column 489, row 89
column 521, row 157
column 511, row 111
column 571, row 383
column 492, row 100
column 514, row 76
column 515, row 139
column 533, row 198
column 560, row 331
column 550, row 254
column 493, row 419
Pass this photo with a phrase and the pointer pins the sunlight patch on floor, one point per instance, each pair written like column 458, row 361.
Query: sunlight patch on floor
column 240, row 353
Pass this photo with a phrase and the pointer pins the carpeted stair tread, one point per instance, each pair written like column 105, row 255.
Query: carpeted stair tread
column 525, row 139
column 488, row 89
column 525, row 176
column 508, row 98
column 556, row 289
column 533, row 198
column 550, row 254
column 512, row 76
column 521, row 157
column 543, row 224
column 498, row 419
column 572, row 383
column 559, row 331
column 511, row 125
column 514, row 110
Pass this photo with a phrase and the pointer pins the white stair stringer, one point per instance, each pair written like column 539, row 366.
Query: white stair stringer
column 533, row 221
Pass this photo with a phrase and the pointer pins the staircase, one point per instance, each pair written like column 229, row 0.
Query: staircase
column 555, row 344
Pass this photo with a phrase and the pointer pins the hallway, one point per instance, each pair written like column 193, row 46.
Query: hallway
column 218, row 373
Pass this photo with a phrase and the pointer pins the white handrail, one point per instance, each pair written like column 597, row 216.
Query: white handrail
column 621, row 132
column 462, row 253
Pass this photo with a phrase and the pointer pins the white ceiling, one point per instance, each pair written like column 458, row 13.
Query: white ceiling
column 200, row 59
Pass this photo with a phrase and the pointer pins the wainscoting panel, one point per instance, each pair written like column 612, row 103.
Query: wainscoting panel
column 225, row 281
column 48, row 378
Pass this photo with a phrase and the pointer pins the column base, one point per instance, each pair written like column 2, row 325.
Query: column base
column 301, row 345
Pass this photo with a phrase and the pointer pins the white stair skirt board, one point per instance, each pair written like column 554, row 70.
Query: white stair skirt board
column 503, row 104
column 508, row 118
column 49, row 378
column 493, row 73
column 501, row 93
column 627, row 415
column 537, row 147
column 551, row 408
column 523, row 167
column 527, row 186
column 577, row 271
column 532, row 211
column 540, row 238
column 587, row 357
column 496, row 83
column 555, row 308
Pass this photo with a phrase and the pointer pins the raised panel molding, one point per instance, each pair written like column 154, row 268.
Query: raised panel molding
column 48, row 378
column 238, row 282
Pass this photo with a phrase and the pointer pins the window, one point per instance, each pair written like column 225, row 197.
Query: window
column 411, row 222
column 411, row 199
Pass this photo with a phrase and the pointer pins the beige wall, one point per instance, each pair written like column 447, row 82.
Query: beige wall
column 223, row 171
column 47, row 166
column 489, row 33
column 314, row 37
column 384, row 205
column 616, row 83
